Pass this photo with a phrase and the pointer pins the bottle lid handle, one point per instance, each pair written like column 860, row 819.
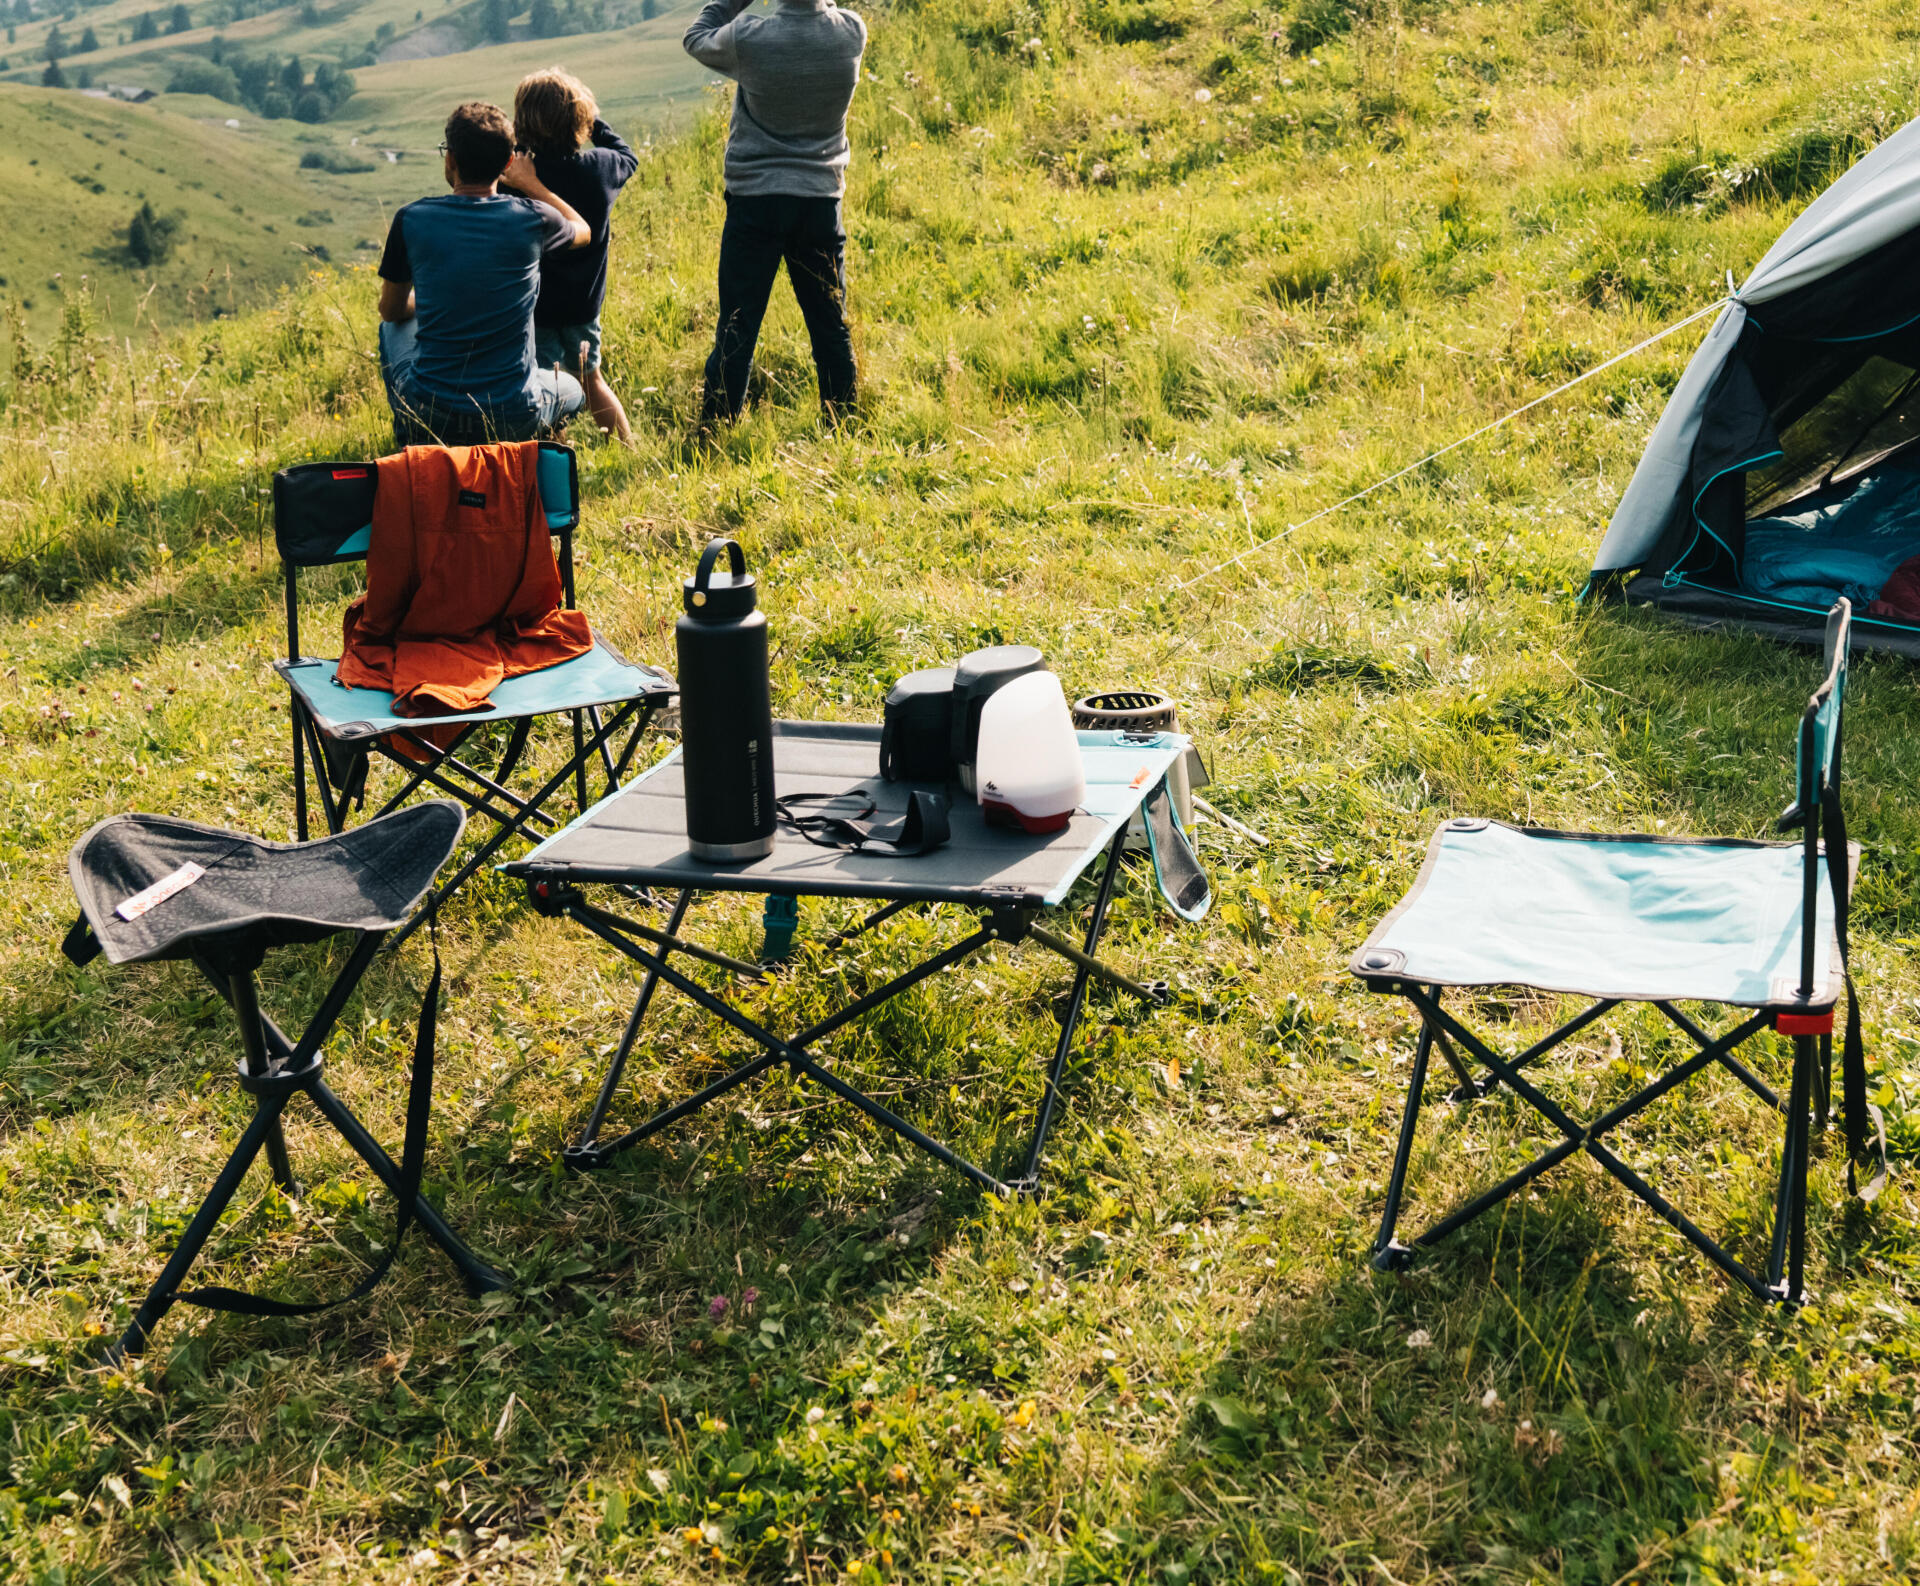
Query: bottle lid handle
column 735, row 556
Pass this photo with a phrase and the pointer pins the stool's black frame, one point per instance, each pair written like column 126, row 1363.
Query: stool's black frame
column 339, row 762
column 273, row 1070
column 1816, row 811
column 650, row 948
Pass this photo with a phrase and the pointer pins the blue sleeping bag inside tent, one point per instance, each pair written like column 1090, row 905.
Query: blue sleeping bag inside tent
column 1831, row 546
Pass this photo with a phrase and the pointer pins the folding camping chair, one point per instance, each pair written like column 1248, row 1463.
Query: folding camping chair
column 1620, row 919
column 322, row 514
column 156, row 887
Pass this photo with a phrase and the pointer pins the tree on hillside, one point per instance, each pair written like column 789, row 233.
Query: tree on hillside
column 648, row 10
column 53, row 77
column 275, row 105
column 494, row 18
column 146, row 27
column 544, row 19
column 89, row 41
column 181, row 21
column 293, row 76
column 56, row 44
column 149, row 236
column 217, row 49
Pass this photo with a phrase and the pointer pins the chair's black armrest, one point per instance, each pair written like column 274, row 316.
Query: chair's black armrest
column 1792, row 818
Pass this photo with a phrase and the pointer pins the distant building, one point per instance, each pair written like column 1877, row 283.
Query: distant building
column 121, row 91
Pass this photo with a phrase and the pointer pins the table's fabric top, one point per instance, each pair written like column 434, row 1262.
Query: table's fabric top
column 638, row 835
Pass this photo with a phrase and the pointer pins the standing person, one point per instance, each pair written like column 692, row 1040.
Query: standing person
column 458, row 281
column 580, row 157
column 786, row 172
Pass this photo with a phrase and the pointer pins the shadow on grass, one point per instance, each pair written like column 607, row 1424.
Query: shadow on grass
column 1518, row 1406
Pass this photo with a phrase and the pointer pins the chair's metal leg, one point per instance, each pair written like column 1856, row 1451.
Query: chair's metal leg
column 632, row 746
column 1727, row 1060
column 516, row 746
column 334, row 812
column 1786, row 1256
column 1028, row 1183
column 1586, row 1138
column 1823, row 1085
column 417, row 770
column 446, row 760
column 584, row 1152
column 475, row 1273
column 1797, row 1244
column 580, row 759
column 1388, row 1252
column 160, row 1298
column 606, row 754
column 299, row 768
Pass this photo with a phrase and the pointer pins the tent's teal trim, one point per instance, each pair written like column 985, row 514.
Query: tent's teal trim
column 1700, row 524
column 1838, row 340
column 1786, row 605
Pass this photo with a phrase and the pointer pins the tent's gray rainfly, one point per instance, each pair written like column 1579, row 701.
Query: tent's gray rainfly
column 1785, row 470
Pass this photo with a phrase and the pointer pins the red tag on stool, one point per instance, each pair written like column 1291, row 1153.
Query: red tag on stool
column 1804, row 1023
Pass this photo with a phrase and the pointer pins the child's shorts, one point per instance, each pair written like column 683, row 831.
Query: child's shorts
column 560, row 344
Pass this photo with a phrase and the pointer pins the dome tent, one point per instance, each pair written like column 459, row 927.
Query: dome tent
column 1785, row 470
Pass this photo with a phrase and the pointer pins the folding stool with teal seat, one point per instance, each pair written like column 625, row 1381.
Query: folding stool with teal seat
column 322, row 514
column 1745, row 924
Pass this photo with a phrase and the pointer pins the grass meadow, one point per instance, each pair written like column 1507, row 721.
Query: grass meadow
column 1138, row 283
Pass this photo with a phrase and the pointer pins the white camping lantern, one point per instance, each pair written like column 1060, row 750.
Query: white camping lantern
column 1028, row 768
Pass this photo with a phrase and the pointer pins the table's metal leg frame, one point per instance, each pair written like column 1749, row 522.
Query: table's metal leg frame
column 587, row 1152
column 1028, row 1183
column 1786, row 1257
column 1009, row 926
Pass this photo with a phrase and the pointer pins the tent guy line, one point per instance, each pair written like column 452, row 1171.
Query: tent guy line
column 1485, row 429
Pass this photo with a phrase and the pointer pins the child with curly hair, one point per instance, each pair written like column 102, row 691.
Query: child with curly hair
column 578, row 156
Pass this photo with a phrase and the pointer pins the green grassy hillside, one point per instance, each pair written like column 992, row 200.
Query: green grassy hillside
column 83, row 166
column 1137, row 284
column 250, row 217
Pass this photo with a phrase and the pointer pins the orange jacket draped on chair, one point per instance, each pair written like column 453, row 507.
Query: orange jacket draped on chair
column 462, row 586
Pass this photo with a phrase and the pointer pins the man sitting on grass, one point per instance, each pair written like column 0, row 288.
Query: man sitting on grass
column 458, row 282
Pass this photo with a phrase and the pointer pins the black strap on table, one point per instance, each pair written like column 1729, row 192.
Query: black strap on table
column 1856, row 1109
column 851, row 827
column 413, row 1161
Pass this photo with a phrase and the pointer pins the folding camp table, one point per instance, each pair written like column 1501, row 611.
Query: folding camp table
column 322, row 515
column 1755, row 926
column 637, row 838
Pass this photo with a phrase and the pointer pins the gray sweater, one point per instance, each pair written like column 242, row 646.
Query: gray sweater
column 796, row 68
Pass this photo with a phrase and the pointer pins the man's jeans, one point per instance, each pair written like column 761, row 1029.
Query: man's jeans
column 760, row 232
column 420, row 420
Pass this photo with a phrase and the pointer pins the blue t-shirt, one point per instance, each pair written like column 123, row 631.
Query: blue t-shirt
column 475, row 268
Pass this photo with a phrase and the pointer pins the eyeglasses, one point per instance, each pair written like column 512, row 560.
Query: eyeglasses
column 444, row 149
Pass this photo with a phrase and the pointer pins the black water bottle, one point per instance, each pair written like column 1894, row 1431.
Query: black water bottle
column 726, row 712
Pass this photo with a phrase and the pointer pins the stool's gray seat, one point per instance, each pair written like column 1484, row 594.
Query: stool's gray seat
column 255, row 894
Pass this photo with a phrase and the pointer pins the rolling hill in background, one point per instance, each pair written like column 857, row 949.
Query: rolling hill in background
column 250, row 201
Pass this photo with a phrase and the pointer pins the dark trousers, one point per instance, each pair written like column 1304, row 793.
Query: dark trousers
column 760, row 232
